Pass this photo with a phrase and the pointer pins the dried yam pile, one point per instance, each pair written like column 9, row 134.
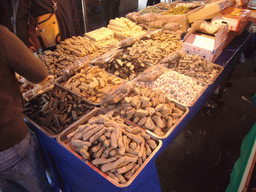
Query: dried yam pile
column 117, row 149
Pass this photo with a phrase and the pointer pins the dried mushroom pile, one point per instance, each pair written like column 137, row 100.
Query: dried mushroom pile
column 151, row 51
column 67, row 52
column 197, row 67
column 55, row 110
column 150, row 109
column 93, row 83
column 181, row 88
column 114, row 147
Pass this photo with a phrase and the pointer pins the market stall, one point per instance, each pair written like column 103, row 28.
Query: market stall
column 104, row 123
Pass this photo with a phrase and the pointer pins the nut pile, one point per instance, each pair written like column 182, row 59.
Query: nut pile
column 125, row 67
column 93, row 83
column 67, row 52
column 181, row 88
column 111, row 145
column 197, row 67
column 149, row 109
column 55, row 110
column 151, row 51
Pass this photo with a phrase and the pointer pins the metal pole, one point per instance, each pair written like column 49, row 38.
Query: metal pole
column 83, row 3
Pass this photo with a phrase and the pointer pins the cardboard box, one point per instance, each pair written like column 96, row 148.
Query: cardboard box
column 209, row 10
column 208, row 46
column 182, row 19
column 235, row 18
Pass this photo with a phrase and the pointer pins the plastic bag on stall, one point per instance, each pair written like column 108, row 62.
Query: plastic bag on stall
column 119, row 93
column 172, row 26
column 150, row 74
column 39, row 88
column 106, row 57
column 75, row 66
column 148, row 17
column 133, row 16
column 209, row 27
column 172, row 59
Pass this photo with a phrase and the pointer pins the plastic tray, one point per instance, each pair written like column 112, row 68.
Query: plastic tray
column 62, row 139
column 48, row 132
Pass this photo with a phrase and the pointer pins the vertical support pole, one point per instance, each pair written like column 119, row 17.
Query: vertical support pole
column 83, row 3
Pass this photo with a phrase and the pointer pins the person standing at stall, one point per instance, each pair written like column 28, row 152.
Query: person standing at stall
column 21, row 166
column 110, row 9
column 65, row 11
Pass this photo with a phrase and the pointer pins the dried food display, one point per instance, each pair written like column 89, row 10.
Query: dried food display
column 151, row 21
column 177, row 10
column 151, row 51
column 69, row 51
column 158, row 8
column 92, row 83
column 55, row 110
column 179, row 87
column 149, row 109
column 113, row 146
column 103, row 37
column 197, row 67
column 124, row 66
column 124, row 28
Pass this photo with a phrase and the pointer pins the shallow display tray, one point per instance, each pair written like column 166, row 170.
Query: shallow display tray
column 216, row 76
column 205, row 85
column 48, row 132
column 179, row 106
column 59, row 82
column 62, row 139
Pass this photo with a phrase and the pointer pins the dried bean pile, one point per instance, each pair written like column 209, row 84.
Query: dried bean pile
column 181, row 88
column 93, row 83
column 197, row 67
column 55, row 110
column 149, row 109
column 111, row 145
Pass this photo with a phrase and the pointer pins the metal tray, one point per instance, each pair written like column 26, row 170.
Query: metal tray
column 59, row 82
column 179, row 106
column 62, row 139
column 205, row 85
column 212, row 81
column 49, row 132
